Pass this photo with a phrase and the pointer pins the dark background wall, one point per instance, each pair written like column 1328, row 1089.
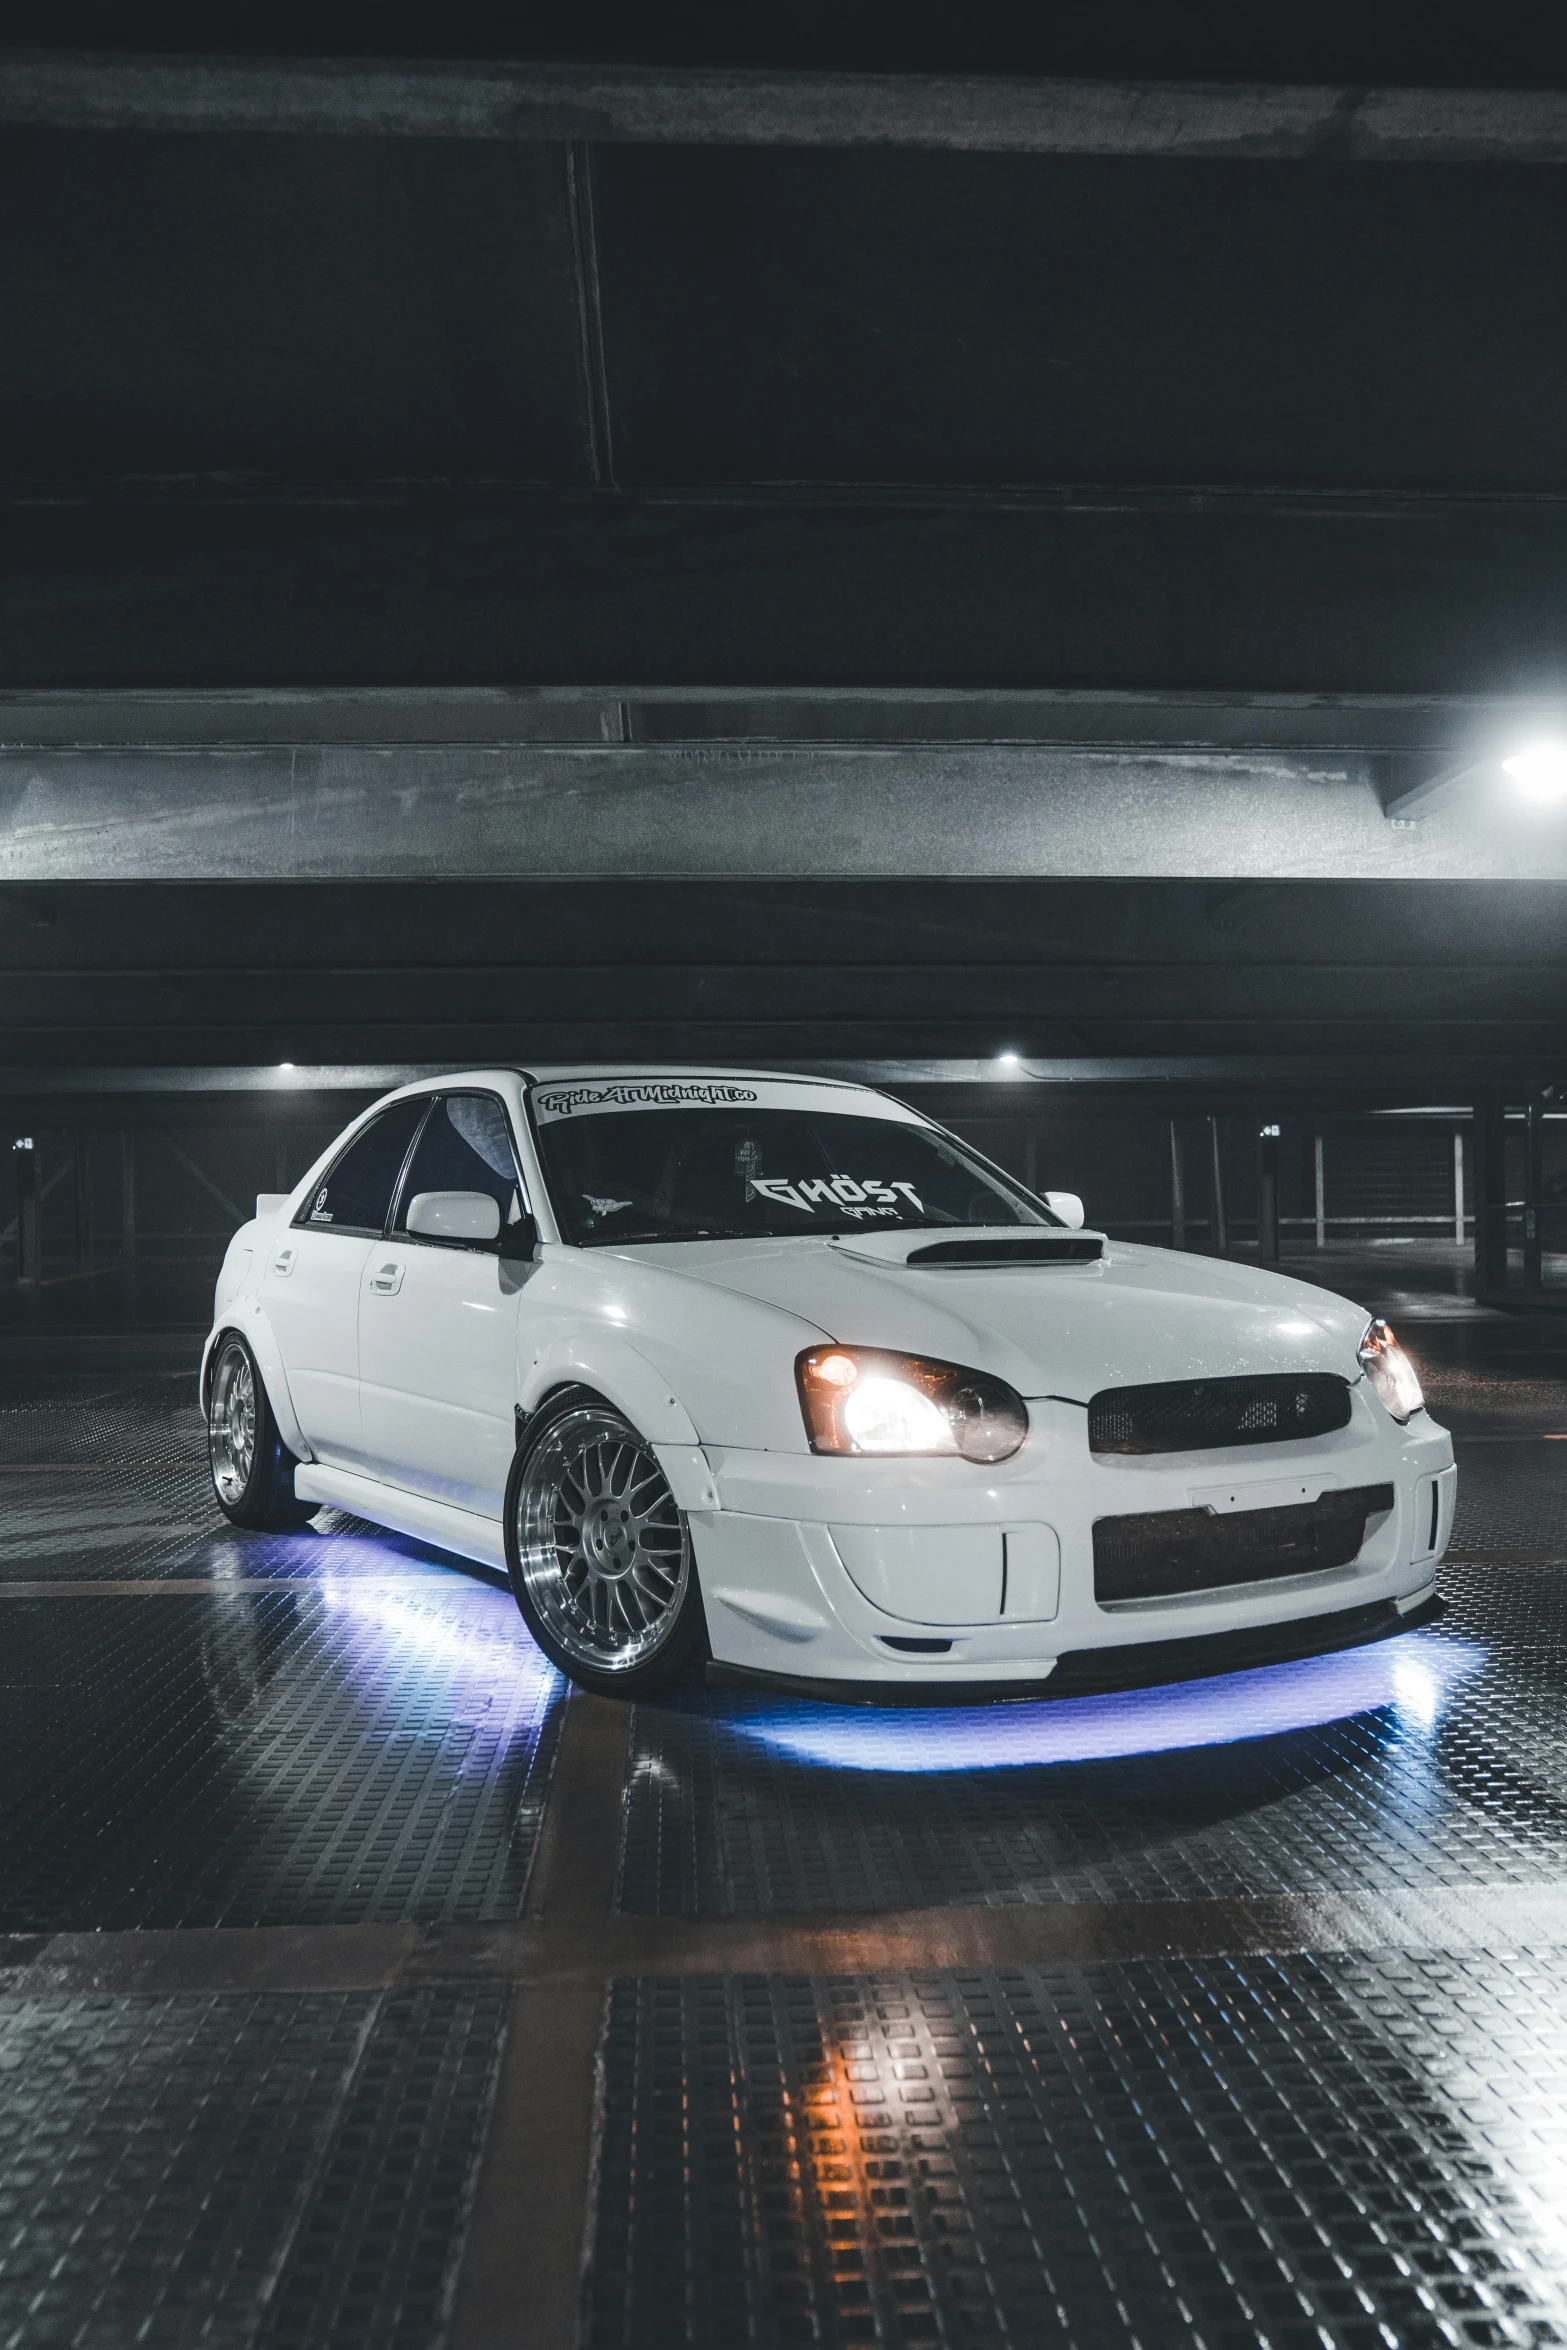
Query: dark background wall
column 823, row 539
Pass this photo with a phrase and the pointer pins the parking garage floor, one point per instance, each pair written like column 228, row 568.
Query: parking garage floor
column 345, row 1960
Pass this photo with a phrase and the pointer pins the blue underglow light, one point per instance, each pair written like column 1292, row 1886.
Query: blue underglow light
column 1412, row 1676
column 471, row 1627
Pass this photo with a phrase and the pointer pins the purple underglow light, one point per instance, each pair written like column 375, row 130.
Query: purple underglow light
column 1412, row 1676
column 457, row 1627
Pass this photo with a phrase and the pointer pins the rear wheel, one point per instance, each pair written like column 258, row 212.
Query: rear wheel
column 252, row 1468
column 600, row 1553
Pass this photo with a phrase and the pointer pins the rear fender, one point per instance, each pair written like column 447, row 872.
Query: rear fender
column 245, row 1316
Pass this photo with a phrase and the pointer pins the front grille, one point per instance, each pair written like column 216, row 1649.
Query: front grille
column 1199, row 1415
column 1159, row 1553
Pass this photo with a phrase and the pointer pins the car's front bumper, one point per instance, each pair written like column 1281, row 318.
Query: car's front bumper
column 780, row 1532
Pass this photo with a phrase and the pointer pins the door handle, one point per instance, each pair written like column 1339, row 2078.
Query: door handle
column 387, row 1279
column 283, row 1262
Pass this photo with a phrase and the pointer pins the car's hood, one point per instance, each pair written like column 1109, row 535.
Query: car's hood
column 1140, row 1314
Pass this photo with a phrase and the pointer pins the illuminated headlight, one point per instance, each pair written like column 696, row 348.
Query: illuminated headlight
column 860, row 1399
column 1390, row 1371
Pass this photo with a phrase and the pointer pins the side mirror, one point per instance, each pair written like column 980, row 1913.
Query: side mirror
column 1067, row 1206
column 454, row 1215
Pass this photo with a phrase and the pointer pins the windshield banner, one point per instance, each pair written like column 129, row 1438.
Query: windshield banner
column 594, row 1097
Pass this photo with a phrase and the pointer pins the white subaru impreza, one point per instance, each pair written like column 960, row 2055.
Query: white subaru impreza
column 777, row 1372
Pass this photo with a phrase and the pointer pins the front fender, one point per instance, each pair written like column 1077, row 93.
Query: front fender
column 245, row 1316
column 615, row 1370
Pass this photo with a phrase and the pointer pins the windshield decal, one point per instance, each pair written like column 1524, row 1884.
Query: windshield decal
column 869, row 1197
column 662, row 1093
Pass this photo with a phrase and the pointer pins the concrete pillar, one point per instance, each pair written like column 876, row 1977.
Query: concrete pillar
column 1320, row 1173
column 127, row 1195
column 29, row 1231
column 1177, row 1189
column 1489, row 1173
column 1268, row 1195
column 81, row 1198
column 1221, row 1222
column 1533, row 1185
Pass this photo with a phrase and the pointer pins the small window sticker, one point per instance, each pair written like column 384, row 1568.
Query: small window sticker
column 320, row 1213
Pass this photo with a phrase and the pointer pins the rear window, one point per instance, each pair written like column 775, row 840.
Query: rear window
column 356, row 1194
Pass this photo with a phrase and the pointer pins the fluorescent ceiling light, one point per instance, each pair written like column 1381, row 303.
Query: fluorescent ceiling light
column 1540, row 770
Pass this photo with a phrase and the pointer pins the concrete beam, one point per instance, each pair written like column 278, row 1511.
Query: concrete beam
column 690, row 107
column 1385, row 1080
column 637, row 810
column 1417, row 731
column 1141, row 593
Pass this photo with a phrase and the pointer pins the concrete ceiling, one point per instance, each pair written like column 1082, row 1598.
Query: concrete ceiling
column 748, row 487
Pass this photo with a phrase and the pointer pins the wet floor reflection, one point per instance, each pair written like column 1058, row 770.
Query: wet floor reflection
column 1438, row 1757
column 1314, row 2149
column 338, row 1750
column 1409, row 1678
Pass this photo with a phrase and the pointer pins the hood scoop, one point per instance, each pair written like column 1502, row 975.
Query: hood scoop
column 1072, row 1248
column 979, row 1247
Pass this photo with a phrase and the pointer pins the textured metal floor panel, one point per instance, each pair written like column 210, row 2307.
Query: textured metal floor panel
column 335, row 1753
column 239, row 2170
column 1512, row 1496
column 106, row 1481
column 1436, row 1758
column 1314, row 2153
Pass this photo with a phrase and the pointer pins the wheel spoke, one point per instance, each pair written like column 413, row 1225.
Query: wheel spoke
column 602, row 1549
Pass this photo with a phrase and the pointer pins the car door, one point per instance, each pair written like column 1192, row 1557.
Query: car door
column 438, row 1321
column 310, row 1290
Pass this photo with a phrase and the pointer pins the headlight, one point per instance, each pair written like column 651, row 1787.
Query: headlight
column 862, row 1399
column 1390, row 1370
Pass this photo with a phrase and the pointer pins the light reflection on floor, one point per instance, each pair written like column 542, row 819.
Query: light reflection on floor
column 1411, row 1676
column 468, row 1625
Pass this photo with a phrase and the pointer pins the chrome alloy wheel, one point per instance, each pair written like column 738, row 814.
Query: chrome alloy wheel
column 231, row 1424
column 603, row 1550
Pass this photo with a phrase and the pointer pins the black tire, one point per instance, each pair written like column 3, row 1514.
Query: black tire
column 252, row 1468
column 600, row 1554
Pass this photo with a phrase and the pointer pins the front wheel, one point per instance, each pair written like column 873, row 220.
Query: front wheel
column 600, row 1553
column 252, row 1468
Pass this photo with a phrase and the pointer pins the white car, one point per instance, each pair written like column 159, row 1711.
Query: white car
column 778, row 1372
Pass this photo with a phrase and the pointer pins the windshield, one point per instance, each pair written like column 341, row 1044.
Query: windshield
column 759, row 1168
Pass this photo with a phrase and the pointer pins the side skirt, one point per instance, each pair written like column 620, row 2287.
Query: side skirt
column 462, row 1531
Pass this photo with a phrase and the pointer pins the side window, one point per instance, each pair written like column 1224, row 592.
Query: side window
column 356, row 1194
column 465, row 1147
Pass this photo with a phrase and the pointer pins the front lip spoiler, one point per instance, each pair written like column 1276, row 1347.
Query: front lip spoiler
column 1091, row 1672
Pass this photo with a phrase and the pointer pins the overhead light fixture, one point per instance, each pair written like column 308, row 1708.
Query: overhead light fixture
column 1540, row 770
column 285, row 1064
column 1010, row 1060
